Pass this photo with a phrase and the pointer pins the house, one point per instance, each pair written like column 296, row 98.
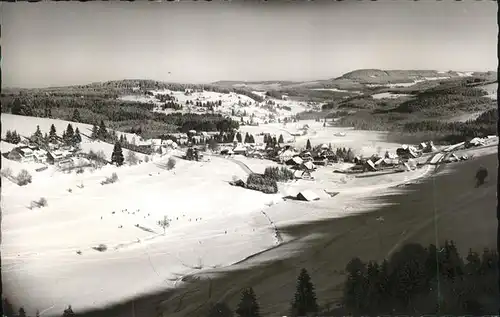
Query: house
column 307, row 195
column 22, row 154
column 286, row 155
column 308, row 166
column 240, row 149
column 294, row 161
column 40, row 155
column 369, row 166
column 386, row 162
column 407, row 152
column 56, row 156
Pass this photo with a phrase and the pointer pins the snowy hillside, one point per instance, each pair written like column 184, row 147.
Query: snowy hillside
column 26, row 126
column 233, row 104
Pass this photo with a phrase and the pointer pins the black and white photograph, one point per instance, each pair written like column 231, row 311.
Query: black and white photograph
column 249, row 158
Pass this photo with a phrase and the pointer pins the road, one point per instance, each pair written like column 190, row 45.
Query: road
column 448, row 204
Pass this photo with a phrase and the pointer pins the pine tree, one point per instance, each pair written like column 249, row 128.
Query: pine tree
column 280, row 140
column 68, row 312
column 77, row 138
column 265, row 138
column 102, row 132
column 248, row 306
column 252, row 139
column 238, row 137
column 52, row 134
column 304, row 301
column 69, row 135
column 8, row 309
column 8, row 136
column 246, row 137
column 18, row 137
column 117, row 155
column 308, row 145
column 95, row 132
column 37, row 136
column 76, row 116
column 22, row 312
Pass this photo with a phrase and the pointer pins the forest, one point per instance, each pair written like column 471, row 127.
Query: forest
column 128, row 116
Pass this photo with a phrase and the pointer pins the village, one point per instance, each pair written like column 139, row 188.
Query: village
column 65, row 153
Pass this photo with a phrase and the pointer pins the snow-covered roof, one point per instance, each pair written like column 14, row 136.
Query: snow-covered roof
column 26, row 151
column 240, row 148
column 307, row 195
column 309, row 165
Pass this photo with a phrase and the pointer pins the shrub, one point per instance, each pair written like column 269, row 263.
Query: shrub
column 146, row 158
column 171, row 163
column 282, row 174
column 101, row 247
column 79, row 170
column 110, row 180
column 262, row 183
column 98, row 157
column 23, row 178
column 132, row 158
column 42, row 202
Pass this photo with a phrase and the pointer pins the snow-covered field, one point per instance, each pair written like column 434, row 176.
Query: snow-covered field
column 416, row 81
column 336, row 90
column 389, row 95
column 491, row 89
column 39, row 259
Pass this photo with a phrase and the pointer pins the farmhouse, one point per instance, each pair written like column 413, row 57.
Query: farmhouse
column 240, row 149
column 22, row 154
column 56, row 156
column 40, row 155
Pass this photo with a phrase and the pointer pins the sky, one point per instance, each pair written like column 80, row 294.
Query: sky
column 66, row 43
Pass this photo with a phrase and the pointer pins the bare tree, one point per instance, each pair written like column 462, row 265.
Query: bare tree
column 165, row 223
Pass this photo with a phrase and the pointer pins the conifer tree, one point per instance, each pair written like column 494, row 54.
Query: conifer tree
column 37, row 136
column 76, row 116
column 265, row 138
column 280, row 140
column 304, row 301
column 52, row 134
column 77, row 138
column 22, row 312
column 8, row 309
column 238, row 137
column 8, row 136
column 248, row 306
column 117, row 155
column 308, row 145
column 102, row 132
column 251, row 139
column 95, row 132
column 69, row 135
column 68, row 312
